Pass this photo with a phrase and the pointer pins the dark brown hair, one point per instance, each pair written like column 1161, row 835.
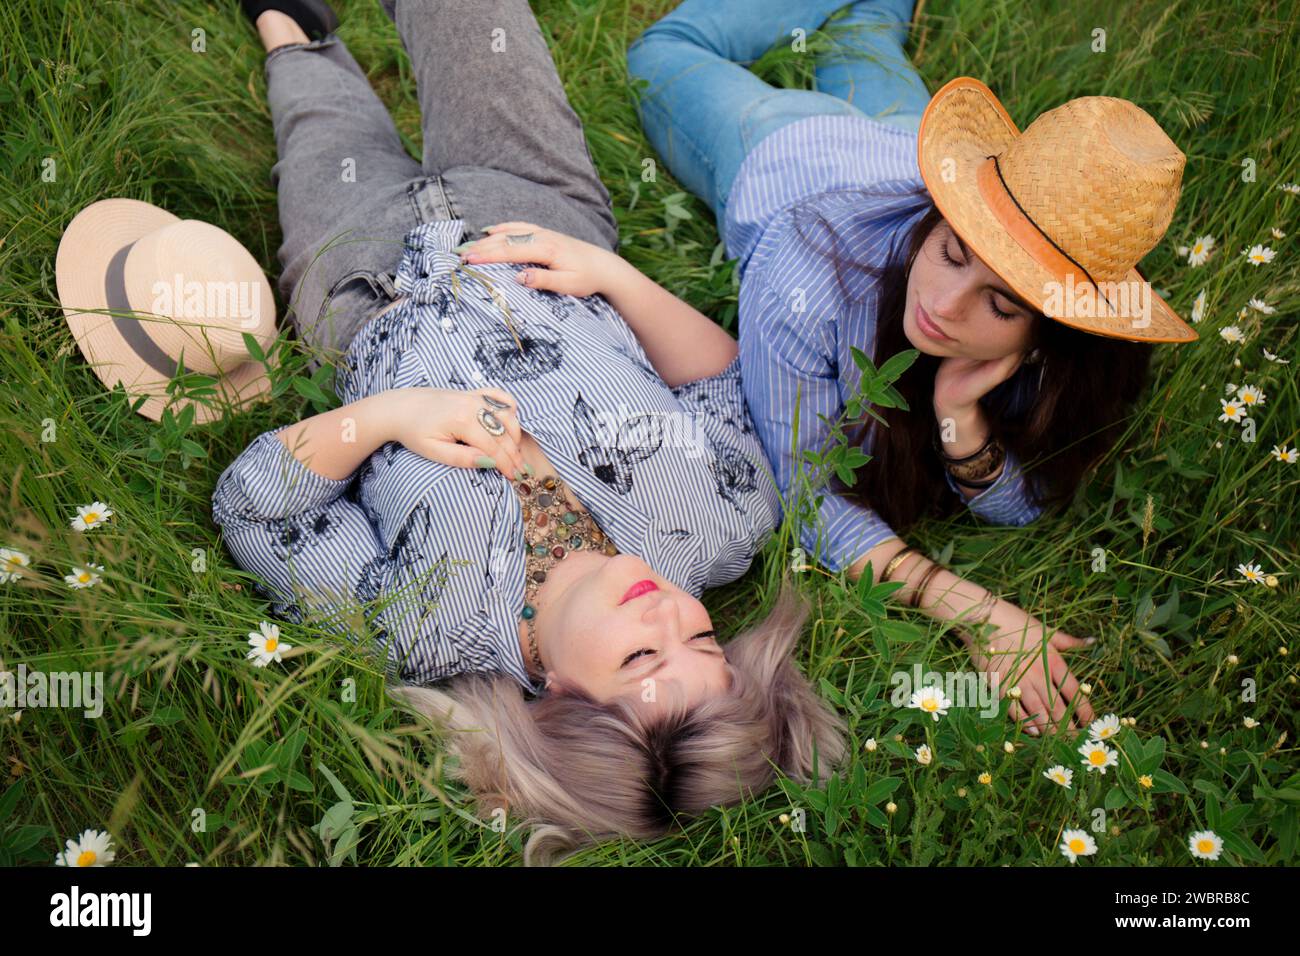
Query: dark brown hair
column 1057, row 433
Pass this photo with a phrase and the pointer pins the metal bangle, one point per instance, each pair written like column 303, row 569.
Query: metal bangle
column 948, row 458
column 915, row 600
column 896, row 560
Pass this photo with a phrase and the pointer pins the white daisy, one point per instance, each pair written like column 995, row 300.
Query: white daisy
column 1250, row 723
column 266, row 645
column 1198, row 306
column 1257, row 254
column 91, row 516
column 1250, row 396
column 1097, row 756
column 11, row 564
column 930, row 700
column 92, row 848
column 1286, row 455
column 1181, row 251
column 1273, row 358
column 1278, row 233
column 1201, row 250
column 1059, row 774
column 1259, row 305
column 84, row 577
column 1232, row 411
column 1077, row 843
column 1104, row 728
column 1251, row 572
column 1205, row 845
column 1293, row 188
column 1230, row 333
column 870, row 745
column 923, row 755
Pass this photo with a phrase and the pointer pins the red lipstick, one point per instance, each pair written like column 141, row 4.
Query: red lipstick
column 641, row 587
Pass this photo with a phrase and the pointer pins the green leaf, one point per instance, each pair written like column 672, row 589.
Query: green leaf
column 11, row 798
column 1241, row 845
column 1115, row 798
column 1166, row 782
column 193, row 449
column 881, row 790
column 896, row 365
column 309, row 390
column 254, row 347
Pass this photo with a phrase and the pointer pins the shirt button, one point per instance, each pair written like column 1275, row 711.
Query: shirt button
column 447, row 324
column 476, row 375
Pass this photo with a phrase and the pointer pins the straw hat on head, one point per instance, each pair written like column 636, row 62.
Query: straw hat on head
column 193, row 289
column 1068, row 207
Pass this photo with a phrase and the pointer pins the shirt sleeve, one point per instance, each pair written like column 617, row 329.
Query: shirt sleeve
column 296, row 531
column 787, row 354
column 1007, row 500
column 720, row 425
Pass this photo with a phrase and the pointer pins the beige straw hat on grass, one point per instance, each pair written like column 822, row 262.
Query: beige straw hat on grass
column 142, row 289
column 1064, row 211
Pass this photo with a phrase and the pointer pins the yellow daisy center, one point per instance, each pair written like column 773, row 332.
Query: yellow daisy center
column 1198, row 248
column 1077, row 845
column 929, row 703
column 272, row 643
column 1205, row 846
column 83, row 576
column 87, row 858
column 1097, row 758
column 91, row 517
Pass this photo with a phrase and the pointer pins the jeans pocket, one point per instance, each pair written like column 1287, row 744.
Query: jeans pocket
column 350, row 303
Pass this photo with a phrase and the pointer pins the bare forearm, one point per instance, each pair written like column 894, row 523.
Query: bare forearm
column 681, row 342
column 946, row 596
column 335, row 443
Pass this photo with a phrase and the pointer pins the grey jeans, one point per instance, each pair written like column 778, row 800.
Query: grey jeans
column 501, row 143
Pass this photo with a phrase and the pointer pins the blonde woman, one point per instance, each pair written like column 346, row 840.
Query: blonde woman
column 529, row 484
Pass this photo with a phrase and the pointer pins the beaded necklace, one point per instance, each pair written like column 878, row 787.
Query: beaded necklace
column 551, row 530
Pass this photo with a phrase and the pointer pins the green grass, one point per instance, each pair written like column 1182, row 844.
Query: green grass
column 112, row 92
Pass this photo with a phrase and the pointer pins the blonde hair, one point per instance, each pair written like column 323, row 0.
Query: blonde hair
column 579, row 771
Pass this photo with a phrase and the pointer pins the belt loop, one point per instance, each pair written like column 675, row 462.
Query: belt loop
column 385, row 280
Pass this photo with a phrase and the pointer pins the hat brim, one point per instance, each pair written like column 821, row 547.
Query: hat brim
column 94, row 236
column 962, row 125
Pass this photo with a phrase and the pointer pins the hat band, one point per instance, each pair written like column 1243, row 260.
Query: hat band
column 1028, row 241
column 130, row 328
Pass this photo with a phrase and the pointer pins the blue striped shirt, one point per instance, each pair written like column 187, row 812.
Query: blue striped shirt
column 796, row 330
column 674, row 475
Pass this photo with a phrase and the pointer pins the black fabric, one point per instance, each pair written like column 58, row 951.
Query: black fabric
column 316, row 17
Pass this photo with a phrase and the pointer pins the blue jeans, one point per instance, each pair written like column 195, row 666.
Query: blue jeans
column 703, row 110
column 501, row 143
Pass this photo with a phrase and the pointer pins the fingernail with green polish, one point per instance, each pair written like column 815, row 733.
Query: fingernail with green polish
column 485, row 461
column 463, row 246
column 529, row 468
column 519, row 475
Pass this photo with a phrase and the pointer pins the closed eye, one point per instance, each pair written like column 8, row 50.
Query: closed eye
column 992, row 303
column 646, row 650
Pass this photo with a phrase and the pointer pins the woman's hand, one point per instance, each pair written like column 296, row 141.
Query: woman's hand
column 959, row 383
column 566, row 265
column 1015, row 654
column 442, row 424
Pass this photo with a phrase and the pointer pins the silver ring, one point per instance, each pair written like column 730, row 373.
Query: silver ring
column 490, row 422
column 518, row 240
column 494, row 402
